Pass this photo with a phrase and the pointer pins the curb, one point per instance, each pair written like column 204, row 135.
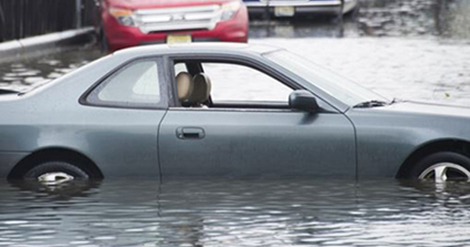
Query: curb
column 42, row 44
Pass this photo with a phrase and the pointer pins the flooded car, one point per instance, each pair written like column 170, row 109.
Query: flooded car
column 132, row 23
column 290, row 8
column 163, row 111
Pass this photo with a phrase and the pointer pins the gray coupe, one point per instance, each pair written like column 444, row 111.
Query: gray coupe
column 223, row 110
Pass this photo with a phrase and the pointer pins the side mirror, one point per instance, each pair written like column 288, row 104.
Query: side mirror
column 303, row 100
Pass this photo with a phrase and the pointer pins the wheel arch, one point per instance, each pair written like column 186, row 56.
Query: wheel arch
column 55, row 154
column 441, row 145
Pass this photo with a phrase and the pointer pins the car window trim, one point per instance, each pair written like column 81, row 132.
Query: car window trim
column 164, row 102
column 231, row 109
column 254, row 59
column 239, row 60
column 228, row 59
column 228, row 108
column 170, row 77
column 251, row 104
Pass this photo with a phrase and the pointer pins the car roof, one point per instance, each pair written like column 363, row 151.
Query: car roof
column 198, row 48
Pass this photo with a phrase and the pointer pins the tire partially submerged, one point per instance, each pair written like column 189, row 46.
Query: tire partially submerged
column 56, row 172
column 442, row 167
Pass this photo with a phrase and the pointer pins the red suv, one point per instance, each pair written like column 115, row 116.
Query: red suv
column 128, row 23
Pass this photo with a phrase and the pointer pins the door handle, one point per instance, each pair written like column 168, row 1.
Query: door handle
column 190, row 133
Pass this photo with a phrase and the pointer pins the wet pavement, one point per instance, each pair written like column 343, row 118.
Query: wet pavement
column 376, row 18
column 215, row 212
column 25, row 74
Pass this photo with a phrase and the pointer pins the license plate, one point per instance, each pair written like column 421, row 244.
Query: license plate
column 172, row 39
column 284, row 11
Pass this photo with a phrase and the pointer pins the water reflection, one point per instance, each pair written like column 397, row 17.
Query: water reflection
column 28, row 73
column 61, row 191
column 377, row 18
column 217, row 212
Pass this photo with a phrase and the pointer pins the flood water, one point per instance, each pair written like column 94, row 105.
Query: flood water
column 217, row 212
column 414, row 49
column 377, row 18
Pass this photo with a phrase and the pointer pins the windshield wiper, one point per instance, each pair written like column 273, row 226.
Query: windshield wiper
column 372, row 103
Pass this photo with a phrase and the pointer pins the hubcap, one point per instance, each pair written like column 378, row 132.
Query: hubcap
column 442, row 172
column 54, row 178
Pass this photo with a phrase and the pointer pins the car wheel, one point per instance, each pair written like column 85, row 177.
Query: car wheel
column 55, row 172
column 443, row 166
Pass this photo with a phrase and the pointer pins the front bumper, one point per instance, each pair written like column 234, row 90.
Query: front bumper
column 302, row 7
column 233, row 30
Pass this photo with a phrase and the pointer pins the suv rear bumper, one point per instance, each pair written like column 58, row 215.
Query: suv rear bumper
column 302, row 7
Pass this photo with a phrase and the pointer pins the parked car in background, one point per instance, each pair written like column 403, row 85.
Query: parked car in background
column 130, row 23
column 290, row 8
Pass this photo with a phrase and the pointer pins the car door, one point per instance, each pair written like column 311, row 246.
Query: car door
column 126, row 108
column 246, row 128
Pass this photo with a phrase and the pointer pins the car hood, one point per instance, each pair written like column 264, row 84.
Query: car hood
column 426, row 108
column 417, row 123
column 145, row 4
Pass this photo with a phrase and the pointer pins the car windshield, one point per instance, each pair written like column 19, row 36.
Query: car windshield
column 331, row 83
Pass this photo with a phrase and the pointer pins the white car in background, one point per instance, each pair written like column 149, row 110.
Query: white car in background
column 290, row 8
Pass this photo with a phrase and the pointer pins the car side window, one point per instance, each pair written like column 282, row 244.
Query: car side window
column 234, row 82
column 135, row 85
column 180, row 67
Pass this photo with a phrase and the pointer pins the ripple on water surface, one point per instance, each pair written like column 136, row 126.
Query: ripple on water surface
column 216, row 212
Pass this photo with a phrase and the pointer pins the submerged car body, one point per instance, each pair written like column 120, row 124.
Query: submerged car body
column 289, row 8
column 327, row 127
column 131, row 23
